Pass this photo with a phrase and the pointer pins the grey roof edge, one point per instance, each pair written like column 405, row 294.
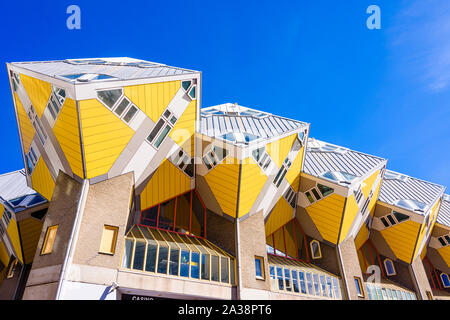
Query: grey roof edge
column 352, row 150
column 421, row 180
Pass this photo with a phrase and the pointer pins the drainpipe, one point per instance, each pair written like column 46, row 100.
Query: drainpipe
column 73, row 235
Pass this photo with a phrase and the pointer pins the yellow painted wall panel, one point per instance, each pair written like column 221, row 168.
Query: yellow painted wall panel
column 361, row 237
column 326, row 215
column 367, row 184
column 422, row 233
column 184, row 129
column 279, row 240
column 13, row 233
column 223, row 181
column 104, row 137
column 401, row 238
column 279, row 149
column 281, row 214
column 252, row 182
column 4, row 256
column 290, row 241
column 445, row 254
column 38, row 91
column 26, row 128
column 152, row 98
column 293, row 174
column 30, row 231
column 67, row 133
column 351, row 210
column 167, row 182
column 42, row 180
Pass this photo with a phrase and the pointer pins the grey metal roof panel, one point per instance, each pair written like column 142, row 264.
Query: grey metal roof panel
column 14, row 185
column 226, row 118
column 120, row 68
column 444, row 212
column 408, row 188
column 319, row 160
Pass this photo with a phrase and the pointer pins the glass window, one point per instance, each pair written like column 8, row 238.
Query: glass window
column 109, row 97
column 385, row 296
column 49, row 240
column 309, row 196
column 162, row 259
column 127, row 254
column 287, row 279
column 130, row 114
column 205, row 266
column 389, row 266
column 155, row 130
column 336, row 288
column 389, row 291
column 400, row 216
column 441, row 240
column 316, row 284
column 385, row 223
column 232, row 272
column 162, row 136
column 214, row 268
column 295, row 281
column 404, row 295
column 316, row 194
column 374, row 293
column 195, row 265
column 122, row 106
column 259, row 268
column 184, row 263
column 324, row 190
column 280, row 278
column 220, row 153
column 186, row 84
column 369, row 292
column 445, row 280
column 192, row 92
column 174, row 258
column 359, row 289
column 379, row 294
column 315, row 249
column 330, row 288
column 323, row 285
column 224, row 269
column 151, row 257
column 391, row 219
column 139, row 254
column 309, row 283
column 273, row 278
column 301, row 277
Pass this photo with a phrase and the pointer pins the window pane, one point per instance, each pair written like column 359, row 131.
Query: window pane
column 287, row 279
column 205, row 266
column 385, row 223
column 108, row 242
column 301, row 276
column 232, row 275
column 130, row 114
column 224, row 269
column 155, row 130
column 273, row 278
column 195, row 265
column 309, row 196
column 336, row 288
column 109, row 97
column 162, row 259
column 316, row 194
column 369, row 292
column 374, row 293
column 184, row 264
column 323, row 285
column 280, row 278
column 126, row 262
column 309, row 283
column 174, row 257
column 400, row 216
column 358, row 286
column 324, row 190
column 214, row 268
column 258, row 268
column 139, row 253
column 122, row 106
column 295, row 281
column 316, row 284
column 186, row 84
column 162, row 136
column 49, row 239
column 151, row 258
column 329, row 286
column 391, row 220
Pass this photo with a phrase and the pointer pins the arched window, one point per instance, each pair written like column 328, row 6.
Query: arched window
column 445, row 280
column 315, row 249
column 389, row 266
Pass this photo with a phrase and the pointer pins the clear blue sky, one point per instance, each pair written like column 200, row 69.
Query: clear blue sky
column 385, row 92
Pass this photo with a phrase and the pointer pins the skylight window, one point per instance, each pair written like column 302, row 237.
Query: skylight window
column 86, row 77
column 389, row 175
column 339, row 176
column 239, row 137
column 325, row 147
column 412, row 205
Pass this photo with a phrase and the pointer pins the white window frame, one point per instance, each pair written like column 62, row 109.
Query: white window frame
column 312, row 251
column 210, row 154
column 179, row 162
column 290, row 195
column 59, row 100
column 37, row 125
column 281, row 173
column 264, row 160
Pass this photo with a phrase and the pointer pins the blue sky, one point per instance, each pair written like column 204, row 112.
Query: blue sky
column 385, row 92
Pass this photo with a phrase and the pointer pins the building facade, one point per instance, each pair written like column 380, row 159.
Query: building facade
column 131, row 189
